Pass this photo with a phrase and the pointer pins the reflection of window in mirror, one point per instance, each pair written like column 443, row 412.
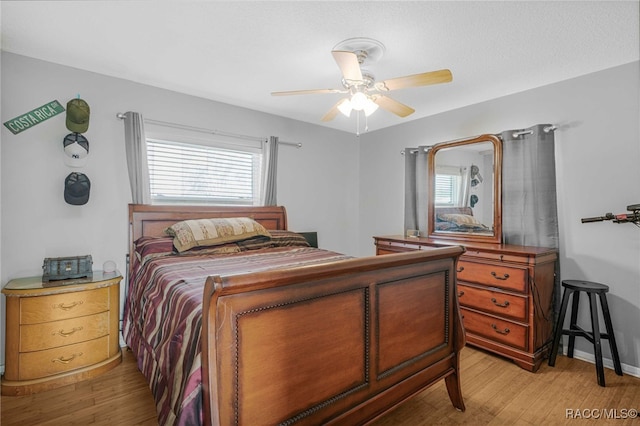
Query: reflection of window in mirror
column 449, row 186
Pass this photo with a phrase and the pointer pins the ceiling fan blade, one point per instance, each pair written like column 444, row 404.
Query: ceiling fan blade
column 348, row 63
column 307, row 92
column 423, row 79
column 331, row 114
column 393, row 106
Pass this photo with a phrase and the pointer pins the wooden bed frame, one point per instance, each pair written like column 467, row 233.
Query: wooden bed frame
column 334, row 343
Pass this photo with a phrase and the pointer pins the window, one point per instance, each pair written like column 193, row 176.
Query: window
column 447, row 186
column 207, row 172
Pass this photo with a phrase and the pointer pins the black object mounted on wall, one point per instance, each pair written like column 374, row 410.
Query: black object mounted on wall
column 77, row 187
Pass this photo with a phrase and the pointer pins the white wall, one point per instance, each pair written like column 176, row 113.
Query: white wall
column 317, row 183
column 598, row 171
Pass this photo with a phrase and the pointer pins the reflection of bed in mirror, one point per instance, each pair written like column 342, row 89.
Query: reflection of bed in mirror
column 459, row 219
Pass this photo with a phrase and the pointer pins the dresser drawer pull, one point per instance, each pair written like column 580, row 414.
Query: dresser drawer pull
column 505, row 331
column 67, row 307
column 502, row 305
column 460, row 293
column 62, row 360
column 503, row 278
column 66, row 333
column 461, row 269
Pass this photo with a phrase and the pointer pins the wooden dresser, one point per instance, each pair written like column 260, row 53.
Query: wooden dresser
column 505, row 294
column 59, row 334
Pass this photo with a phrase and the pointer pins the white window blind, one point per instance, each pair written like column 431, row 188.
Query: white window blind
column 201, row 173
column 447, row 191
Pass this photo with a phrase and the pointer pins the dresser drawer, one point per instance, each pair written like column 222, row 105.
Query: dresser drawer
column 40, row 364
column 507, row 277
column 35, row 337
column 496, row 329
column 495, row 302
column 34, row 310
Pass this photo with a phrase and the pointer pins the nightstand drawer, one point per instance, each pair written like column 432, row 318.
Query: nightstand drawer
column 34, row 310
column 496, row 329
column 495, row 302
column 35, row 337
column 34, row 365
column 506, row 277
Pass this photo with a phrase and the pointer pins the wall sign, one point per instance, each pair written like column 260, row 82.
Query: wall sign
column 36, row 116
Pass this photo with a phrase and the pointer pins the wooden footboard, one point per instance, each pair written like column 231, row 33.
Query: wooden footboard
column 338, row 343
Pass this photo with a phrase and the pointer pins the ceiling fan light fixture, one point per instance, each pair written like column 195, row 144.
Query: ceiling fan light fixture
column 370, row 107
column 345, row 107
column 359, row 100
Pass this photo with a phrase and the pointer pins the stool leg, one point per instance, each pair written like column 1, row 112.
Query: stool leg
column 612, row 339
column 557, row 334
column 573, row 323
column 597, row 345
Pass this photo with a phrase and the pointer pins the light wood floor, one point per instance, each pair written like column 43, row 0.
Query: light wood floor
column 495, row 391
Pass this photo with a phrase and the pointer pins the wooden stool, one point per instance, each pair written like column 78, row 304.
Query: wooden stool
column 574, row 287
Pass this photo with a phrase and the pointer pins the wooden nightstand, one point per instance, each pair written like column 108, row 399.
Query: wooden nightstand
column 60, row 333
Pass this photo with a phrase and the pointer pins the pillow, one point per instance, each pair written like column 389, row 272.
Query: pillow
column 255, row 243
column 459, row 219
column 277, row 239
column 210, row 232
column 288, row 239
column 219, row 249
column 147, row 248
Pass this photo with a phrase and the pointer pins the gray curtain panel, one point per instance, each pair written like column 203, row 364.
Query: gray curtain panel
column 136, row 150
column 270, row 194
column 416, row 189
column 529, row 206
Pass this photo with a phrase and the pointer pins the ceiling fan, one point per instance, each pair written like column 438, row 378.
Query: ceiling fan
column 353, row 57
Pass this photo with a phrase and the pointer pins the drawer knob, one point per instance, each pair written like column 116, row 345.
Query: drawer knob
column 67, row 307
column 505, row 331
column 460, row 293
column 502, row 305
column 66, row 333
column 503, row 277
column 62, row 360
column 460, row 269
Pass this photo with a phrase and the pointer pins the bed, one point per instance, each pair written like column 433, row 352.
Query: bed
column 279, row 332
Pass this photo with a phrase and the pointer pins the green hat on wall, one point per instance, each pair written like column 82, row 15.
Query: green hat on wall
column 77, row 115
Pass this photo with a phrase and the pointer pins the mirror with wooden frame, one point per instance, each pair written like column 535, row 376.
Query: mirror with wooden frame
column 465, row 201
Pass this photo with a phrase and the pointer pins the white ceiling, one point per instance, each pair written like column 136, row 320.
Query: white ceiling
column 238, row 52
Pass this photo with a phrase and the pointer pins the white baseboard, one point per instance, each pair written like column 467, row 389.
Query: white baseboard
column 608, row 363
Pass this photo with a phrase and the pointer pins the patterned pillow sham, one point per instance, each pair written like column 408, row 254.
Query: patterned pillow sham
column 278, row 238
column 211, row 232
column 288, row 239
column 147, row 248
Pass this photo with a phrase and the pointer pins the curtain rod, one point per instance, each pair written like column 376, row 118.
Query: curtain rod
column 530, row 132
column 122, row 116
column 547, row 129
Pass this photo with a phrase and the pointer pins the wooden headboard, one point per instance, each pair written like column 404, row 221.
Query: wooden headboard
column 151, row 221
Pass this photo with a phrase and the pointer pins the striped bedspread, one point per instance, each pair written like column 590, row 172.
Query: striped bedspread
column 163, row 319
